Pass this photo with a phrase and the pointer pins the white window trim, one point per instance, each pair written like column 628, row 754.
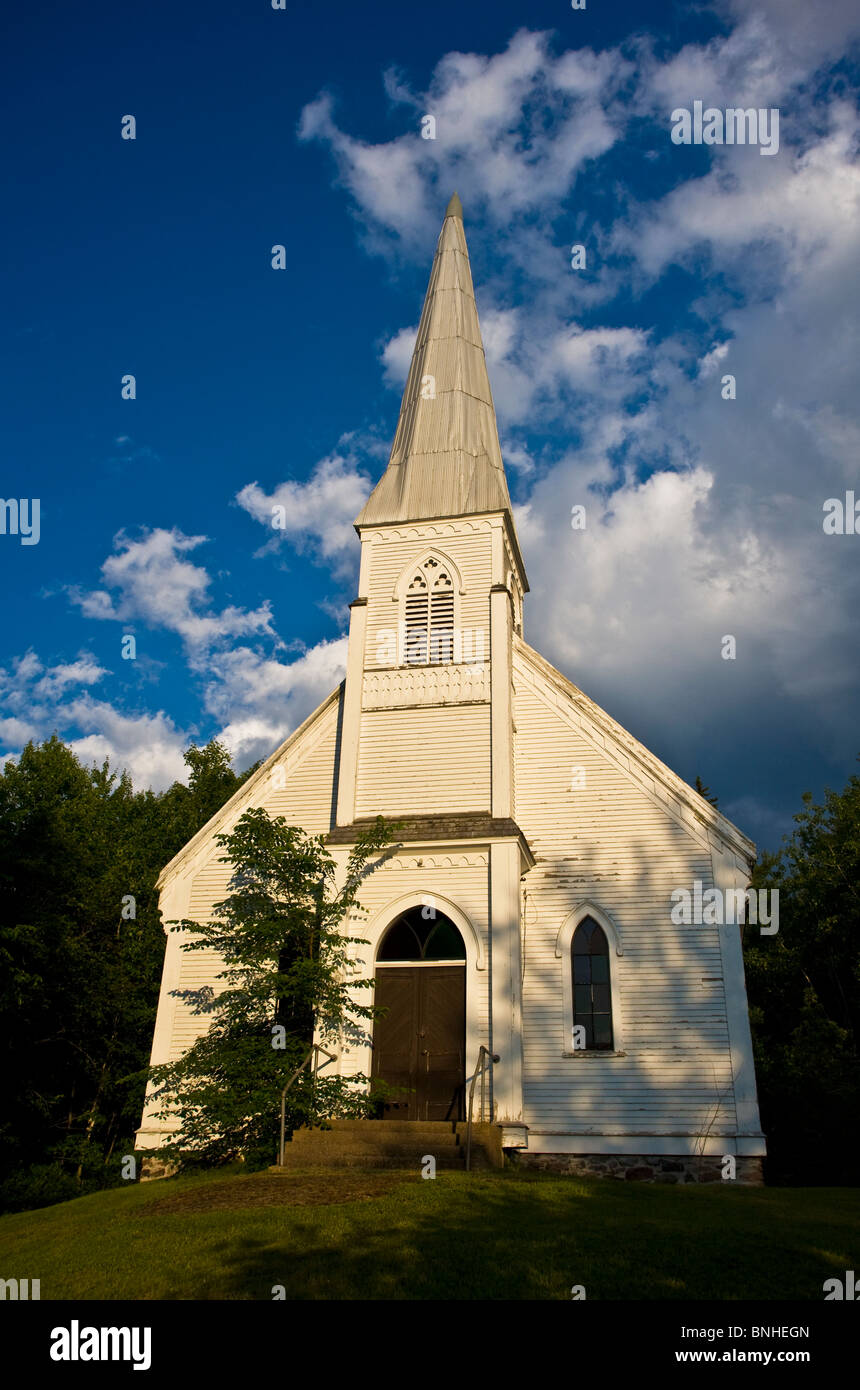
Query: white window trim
column 563, row 943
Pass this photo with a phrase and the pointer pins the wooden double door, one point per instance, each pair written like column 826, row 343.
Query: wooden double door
column 420, row 1043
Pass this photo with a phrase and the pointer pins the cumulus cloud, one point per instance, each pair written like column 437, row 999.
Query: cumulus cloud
column 156, row 585
column 317, row 515
column 261, row 700
column 703, row 514
column 515, row 128
column 39, row 700
column 149, row 747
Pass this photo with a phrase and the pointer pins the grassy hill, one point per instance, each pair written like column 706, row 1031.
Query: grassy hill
column 389, row 1235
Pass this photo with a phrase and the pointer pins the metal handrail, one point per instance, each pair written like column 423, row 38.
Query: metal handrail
column 312, row 1052
column 484, row 1057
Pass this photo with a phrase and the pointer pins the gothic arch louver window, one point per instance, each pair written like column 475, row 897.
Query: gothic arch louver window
column 592, row 993
column 429, row 615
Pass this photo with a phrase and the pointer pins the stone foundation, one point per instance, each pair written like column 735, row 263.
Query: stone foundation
column 662, row 1168
column 152, row 1168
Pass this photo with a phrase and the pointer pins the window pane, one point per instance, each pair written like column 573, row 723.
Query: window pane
column 582, row 970
column 599, row 969
column 597, row 942
column 444, row 942
column 581, row 1001
column 400, row 943
column 592, row 994
column 602, row 1030
column 601, row 999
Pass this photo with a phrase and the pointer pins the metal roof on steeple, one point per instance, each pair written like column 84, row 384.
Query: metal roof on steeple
column 445, row 460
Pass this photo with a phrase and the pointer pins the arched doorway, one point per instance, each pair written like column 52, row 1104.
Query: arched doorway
column 420, row 1043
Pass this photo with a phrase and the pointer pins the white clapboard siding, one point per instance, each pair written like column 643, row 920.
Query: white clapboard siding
column 299, row 786
column 424, row 760
column 612, row 843
column 397, row 552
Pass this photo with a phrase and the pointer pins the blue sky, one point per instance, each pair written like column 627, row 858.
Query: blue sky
column 258, row 127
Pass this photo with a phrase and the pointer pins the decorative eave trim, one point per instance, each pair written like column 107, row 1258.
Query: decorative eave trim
column 505, row 512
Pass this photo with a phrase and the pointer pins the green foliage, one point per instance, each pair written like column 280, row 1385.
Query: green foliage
column 804, row 991
column 79, row 974
column 280, row 934
column 705, row 791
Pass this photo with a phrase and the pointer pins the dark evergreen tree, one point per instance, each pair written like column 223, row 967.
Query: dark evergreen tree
column 804, row 992
column 705, row 791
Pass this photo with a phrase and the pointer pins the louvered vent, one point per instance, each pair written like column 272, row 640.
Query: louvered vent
column 430, row 616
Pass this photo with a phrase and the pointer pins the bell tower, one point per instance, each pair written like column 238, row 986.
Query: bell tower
column 427, row 724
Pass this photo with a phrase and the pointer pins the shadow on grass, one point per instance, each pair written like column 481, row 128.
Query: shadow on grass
column 533, row 1237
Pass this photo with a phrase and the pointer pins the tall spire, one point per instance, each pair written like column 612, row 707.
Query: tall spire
column 445, row 460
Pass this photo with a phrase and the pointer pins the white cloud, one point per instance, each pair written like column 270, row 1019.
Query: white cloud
column 148, row 746
column 160, row 588
column 84, row 671
column 316, row 515
column 43, row 699
column 261, row 700
column 397, row 355
column 14, row 733
column 480, row 105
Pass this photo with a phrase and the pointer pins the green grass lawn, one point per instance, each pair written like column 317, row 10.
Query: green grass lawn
column 508, row 1235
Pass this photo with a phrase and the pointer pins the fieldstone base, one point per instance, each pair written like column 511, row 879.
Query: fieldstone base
column 152, row 1168
column 663, row 1168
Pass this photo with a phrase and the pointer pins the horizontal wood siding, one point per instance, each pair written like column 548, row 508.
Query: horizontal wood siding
column 609, row 843
column 469, row 550
column 307, row 771
column 416, row 761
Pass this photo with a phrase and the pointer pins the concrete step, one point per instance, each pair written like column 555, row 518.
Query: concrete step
column 334, row 1142
column 388, row 1127
column 408, row 1163
column 406, row 1151
column 399, row 1144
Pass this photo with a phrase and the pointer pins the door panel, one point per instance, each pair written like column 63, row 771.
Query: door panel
column 395, row 1055
column 442, row 1029
column 420, row 1043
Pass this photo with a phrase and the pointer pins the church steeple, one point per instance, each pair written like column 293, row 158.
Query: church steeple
column 445, row 460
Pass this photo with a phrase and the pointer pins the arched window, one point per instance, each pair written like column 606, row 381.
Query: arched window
column 592, row 994
column 414, row 937
column 429, row 615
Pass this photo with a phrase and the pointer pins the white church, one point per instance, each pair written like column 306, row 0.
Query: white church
column 526, row 906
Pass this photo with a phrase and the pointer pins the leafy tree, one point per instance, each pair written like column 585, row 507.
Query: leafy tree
column 804, row 992
column 280, row 934
column 81, row 949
